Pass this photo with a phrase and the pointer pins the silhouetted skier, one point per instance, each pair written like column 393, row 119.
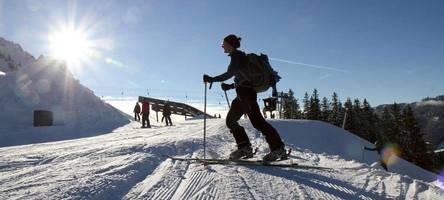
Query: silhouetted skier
column 146, row 115
column 378, row 148
column 245, row 103
column 167, row 114
column 137, row 112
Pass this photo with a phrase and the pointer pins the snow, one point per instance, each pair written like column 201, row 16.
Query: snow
column 127, row 163
column 47, row 84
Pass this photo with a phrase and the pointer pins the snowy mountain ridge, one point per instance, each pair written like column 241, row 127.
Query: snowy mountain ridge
column 47, row 84
column 12, row 56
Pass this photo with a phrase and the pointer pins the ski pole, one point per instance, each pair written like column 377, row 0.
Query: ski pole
column 205, row 119
column 226, row 97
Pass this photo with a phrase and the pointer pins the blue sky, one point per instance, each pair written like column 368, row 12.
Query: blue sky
column 384, row 51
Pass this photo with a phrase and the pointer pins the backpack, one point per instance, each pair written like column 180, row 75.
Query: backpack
column 259, row 73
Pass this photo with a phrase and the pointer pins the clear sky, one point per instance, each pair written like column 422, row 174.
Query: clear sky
column 384, row 51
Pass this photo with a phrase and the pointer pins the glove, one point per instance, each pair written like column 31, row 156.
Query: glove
column 226, row 87
column 207, row 79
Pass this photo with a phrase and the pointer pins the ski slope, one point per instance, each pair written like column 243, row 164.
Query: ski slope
column 128, row 164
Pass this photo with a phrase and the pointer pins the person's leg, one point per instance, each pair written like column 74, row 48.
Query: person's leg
column 143, row 120
column 234, row 114
column 257, row 120
column 169, row 119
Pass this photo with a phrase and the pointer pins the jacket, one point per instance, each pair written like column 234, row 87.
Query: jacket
column 145, row 107
column 137, row 108
column 236, row 68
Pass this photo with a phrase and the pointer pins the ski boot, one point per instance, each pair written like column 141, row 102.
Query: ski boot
column 243, row 152
column 274, row 155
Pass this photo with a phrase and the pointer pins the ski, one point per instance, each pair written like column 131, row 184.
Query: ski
column 249, row 163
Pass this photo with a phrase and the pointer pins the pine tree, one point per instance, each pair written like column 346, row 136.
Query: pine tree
column 335, row 114
column 397, row 135
column 291, row 106
column 314, row 111
column 325, row 109
column 369, row 121
column 356, row 119
column 306, row 106
column 387, row 134
column 348, row 114
column 414, row 147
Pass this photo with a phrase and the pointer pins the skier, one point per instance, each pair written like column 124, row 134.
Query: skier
column 145, row 115
column 137, row 112
column 378, row 148
column 167, row 114
column 245, row 103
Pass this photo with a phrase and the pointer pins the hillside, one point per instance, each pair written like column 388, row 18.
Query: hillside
column 430, row 115
column 128, row 164
column 47, row 84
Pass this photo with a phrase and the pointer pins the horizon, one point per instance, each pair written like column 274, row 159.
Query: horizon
column 382, row 51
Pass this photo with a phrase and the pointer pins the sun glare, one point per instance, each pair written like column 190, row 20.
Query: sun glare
column 70, row 45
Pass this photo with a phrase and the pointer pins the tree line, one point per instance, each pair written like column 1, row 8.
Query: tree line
column 394, row 126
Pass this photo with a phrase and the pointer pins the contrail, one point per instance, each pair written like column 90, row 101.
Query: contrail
column 309, row 65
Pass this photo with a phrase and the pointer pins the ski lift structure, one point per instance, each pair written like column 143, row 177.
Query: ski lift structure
column 177, row 108
column 272, row 104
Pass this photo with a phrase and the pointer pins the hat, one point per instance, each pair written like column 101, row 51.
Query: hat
column 233, row 40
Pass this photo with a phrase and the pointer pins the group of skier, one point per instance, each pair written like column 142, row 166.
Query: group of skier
column 145, row 112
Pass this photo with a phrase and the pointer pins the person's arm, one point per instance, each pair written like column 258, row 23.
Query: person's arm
column 370, row 149
column 235, row 63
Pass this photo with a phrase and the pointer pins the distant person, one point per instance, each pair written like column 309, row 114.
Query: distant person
column 167, row 114
column 378, row 148
column 137, row 112
column 146, row 115
column 245, row 103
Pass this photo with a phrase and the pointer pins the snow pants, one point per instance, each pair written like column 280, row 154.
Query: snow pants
column 146, row 119
column 136, row 117
column 168, row 120
column 245, row 103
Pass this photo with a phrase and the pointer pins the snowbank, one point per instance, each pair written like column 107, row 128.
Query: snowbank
column 47, row 84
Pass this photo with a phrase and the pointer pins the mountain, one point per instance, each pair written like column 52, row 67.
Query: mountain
column 429, row 113
column 129, row 164
column 30, row 84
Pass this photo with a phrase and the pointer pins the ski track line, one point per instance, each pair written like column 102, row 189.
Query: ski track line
column 167, row 178
column 249, row 188
column 195, row 185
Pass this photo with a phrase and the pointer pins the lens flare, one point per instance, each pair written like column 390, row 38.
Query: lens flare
column 390, row 154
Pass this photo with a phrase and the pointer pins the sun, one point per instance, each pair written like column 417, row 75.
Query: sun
column 70, row 45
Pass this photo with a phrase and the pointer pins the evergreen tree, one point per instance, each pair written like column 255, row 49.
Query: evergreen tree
column 387, row 134
column 291, row 106
column 397, row 135
column 298, row 112
column 314, row 111
column 335, row 114
column 306, row 106
column 414, row 148
column 369, row 121
column 348, row 114
column 325, row 110
column 356, row 119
